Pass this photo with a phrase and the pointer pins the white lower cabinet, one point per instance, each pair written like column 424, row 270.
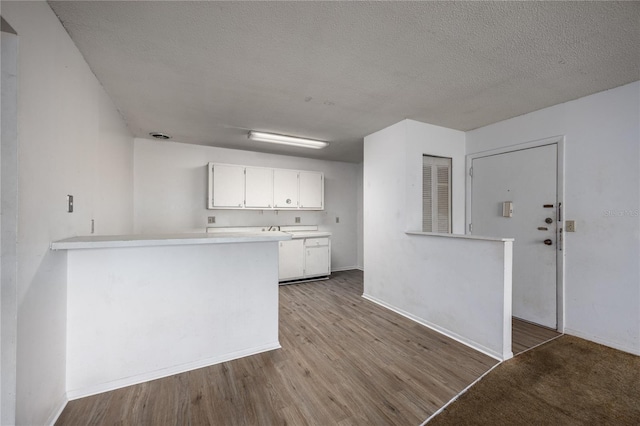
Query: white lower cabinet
column 316, row 259
column 291, row 260
column 304, row 258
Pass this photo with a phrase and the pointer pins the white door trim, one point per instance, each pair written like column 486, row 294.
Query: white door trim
column 9, row 223
column 560, row 252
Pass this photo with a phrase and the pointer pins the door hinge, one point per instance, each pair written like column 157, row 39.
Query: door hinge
column 470, row 227
column 471, row 171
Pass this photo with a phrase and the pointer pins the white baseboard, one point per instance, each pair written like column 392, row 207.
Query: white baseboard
column 165, row 372
column 344, row 268
column 467, row 342
column 596, row 339
column 51, row 421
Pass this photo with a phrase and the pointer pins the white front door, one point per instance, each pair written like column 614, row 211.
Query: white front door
column 528, row 179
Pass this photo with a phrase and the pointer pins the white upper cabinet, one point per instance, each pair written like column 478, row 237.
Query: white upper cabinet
column 311, row 190
column 234, row 186
column 258, row 187
column 285, row 189
column 226, row 186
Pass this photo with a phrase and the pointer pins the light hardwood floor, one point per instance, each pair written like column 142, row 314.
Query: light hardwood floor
column 344, row 361
column 525, row 335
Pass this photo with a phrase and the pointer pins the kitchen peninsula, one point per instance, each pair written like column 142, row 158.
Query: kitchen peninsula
column 141, row 307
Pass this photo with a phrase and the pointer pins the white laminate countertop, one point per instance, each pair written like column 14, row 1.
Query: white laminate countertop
column 296, row 231
column 149, row 240
column 296, row 235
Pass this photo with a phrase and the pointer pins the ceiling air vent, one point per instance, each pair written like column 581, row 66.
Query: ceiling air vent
column 159, row 135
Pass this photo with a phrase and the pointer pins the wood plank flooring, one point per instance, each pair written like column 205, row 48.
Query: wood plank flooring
column 525, row 335
column 344, row 361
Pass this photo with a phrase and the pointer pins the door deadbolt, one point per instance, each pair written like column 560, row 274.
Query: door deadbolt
column 548, row 242
column 548, row 220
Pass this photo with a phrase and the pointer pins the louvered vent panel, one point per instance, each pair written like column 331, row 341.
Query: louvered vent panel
column 427, row 199
column 443, row 199
column 436, row 194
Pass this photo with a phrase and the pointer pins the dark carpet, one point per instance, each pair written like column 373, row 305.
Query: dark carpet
column 568, row 381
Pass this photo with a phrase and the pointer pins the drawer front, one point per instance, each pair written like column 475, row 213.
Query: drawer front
column 315, row 242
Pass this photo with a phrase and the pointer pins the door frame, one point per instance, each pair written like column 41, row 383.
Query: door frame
column 9, row 222
column 559, row 141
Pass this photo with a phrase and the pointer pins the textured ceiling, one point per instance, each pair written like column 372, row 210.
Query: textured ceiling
column 207, row 72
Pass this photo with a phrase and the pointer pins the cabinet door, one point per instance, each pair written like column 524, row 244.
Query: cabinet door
column 258, row 187
column 226, row 186
column 316, row 261
column 285, row 189
column 311, row 190
column 291, row 260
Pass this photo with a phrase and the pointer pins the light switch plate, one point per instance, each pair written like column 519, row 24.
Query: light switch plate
column 570, row 226
column 297, row 219
column 507, row 209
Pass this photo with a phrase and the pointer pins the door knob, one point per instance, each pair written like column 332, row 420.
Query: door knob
column 548, row 242
column 548, row 220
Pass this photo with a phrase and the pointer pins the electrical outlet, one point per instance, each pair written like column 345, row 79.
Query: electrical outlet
column 211, row 219
column 297, row 219
column 570, row 226
column 337, row 219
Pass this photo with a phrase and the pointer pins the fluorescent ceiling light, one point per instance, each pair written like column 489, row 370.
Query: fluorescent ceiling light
column 286, row 140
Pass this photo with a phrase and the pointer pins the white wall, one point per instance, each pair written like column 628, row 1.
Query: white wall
column 71, row 141
column 392, row 183
column 602, row 163
column 407, row 272
column 422, row 138
column 471, row 304
column 170, row 188
column 141, row 313
column 360, row 237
